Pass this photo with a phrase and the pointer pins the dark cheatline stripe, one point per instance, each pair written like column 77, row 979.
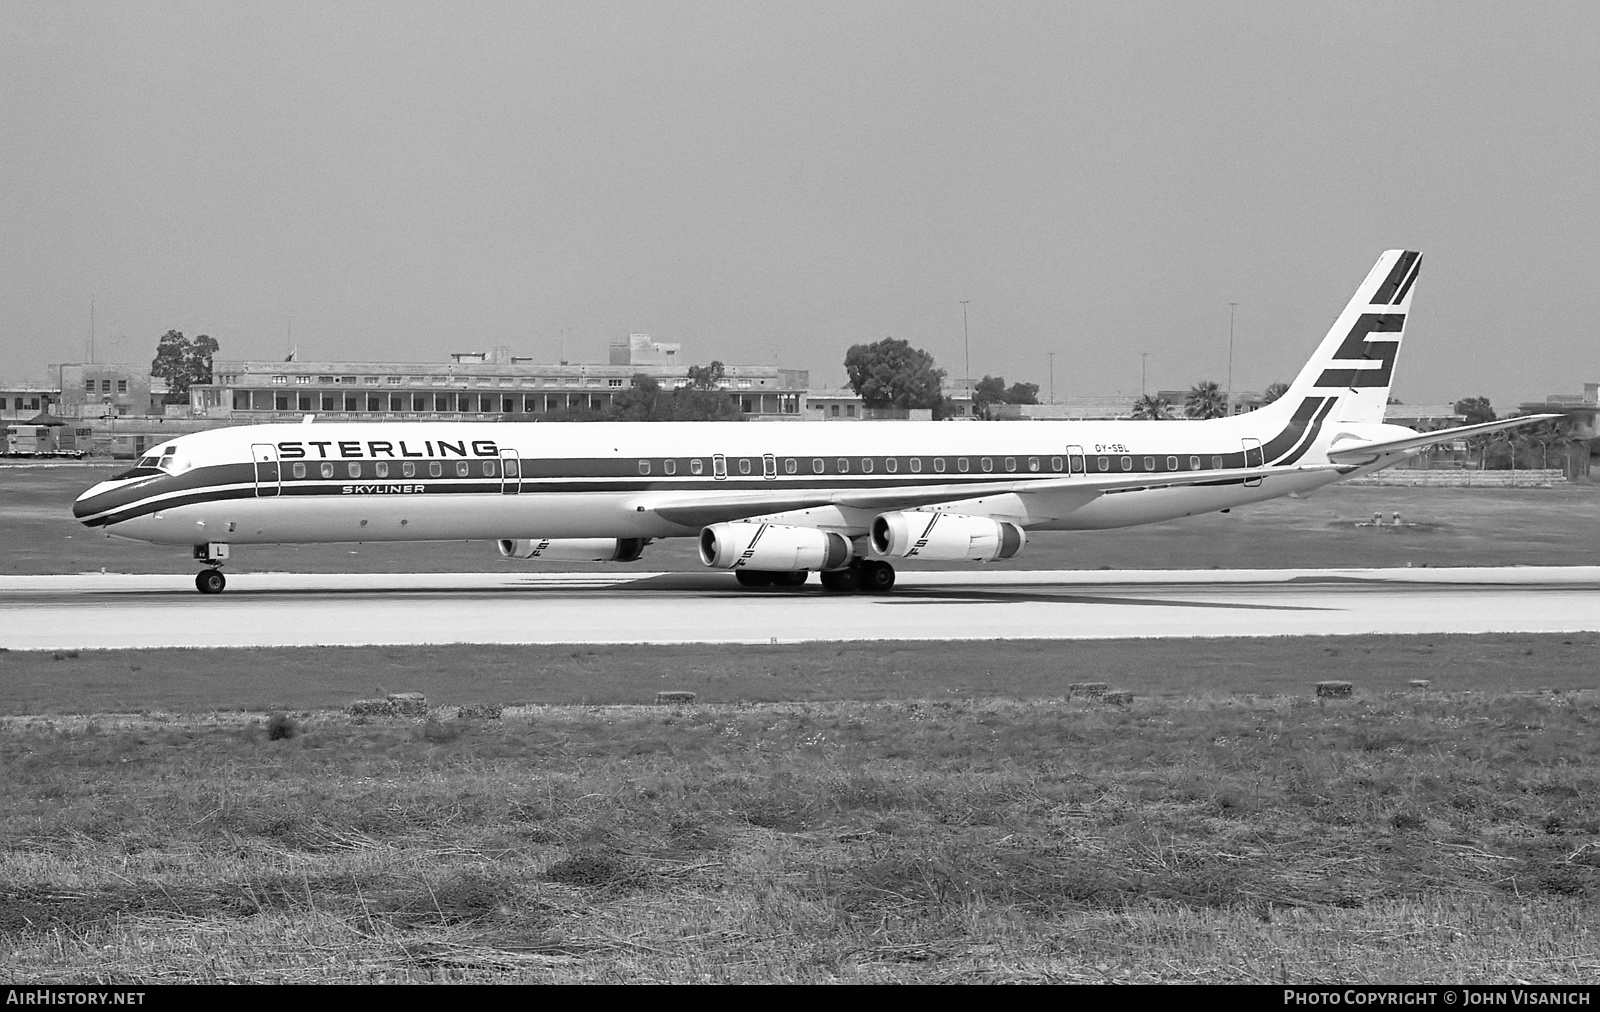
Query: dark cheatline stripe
column 1397, row 274
column 1400, row 296
column 1311, row 437
column 202, row 496
column 1285, row 440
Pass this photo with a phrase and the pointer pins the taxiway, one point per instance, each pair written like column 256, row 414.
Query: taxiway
column 290, row 609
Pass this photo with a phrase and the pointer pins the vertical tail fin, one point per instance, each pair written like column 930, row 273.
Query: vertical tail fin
column 1352, row 368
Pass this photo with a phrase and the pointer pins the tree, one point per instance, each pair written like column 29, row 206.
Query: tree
column 1205, row 400
column 706, row 377
column 1274, row 391
column 992, row 390
column 1476, row 410
column 182, row 363
column 645, row 401
column 891, row 373
column 1152, row 408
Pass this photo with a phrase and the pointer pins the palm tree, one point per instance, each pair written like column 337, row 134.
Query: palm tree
column 1274, row 391
column 1205, row 400
column 1152, row 408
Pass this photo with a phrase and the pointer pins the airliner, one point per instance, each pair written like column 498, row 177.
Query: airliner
column 772, row 503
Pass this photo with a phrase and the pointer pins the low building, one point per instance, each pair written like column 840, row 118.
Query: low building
column 1582, row 411
column 98, row 390
column 21, row 401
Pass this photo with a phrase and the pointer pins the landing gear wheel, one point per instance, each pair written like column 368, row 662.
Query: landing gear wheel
column 842, row 581
column 794, row 579
column 210, row 581
column 752, row 578
column 877, row 577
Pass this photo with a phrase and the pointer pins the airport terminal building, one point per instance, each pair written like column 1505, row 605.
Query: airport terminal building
column 475, row 386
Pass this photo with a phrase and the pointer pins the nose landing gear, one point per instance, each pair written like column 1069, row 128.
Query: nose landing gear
column 211, row 580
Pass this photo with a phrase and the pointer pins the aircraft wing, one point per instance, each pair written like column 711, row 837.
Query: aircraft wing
column 1368, row 452
column 700, row 509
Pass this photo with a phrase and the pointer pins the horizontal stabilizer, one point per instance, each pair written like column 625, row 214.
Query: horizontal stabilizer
column 1366, row 453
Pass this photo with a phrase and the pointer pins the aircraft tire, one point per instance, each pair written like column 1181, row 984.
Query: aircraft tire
column 795, row 579
column 753, row 577
column 210, row 581
column 877, row 577
column 842, row 581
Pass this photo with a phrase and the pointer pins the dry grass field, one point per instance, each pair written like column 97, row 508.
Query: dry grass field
column 913, row 813
column 1396, row 837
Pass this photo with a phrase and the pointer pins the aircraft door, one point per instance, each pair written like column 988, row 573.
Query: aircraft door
column 1075, row 460
column 510, row 472
column 1253, row 457
column 268, row 480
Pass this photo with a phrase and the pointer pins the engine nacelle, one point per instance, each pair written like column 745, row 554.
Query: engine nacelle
column 914, row 534
column 573, row 549
column 772, row 547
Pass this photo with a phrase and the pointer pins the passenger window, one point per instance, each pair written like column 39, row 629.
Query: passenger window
column 1055, row 463
column 1104, row 462
column 891, row 465
column 916, row 465
column 1149, row 463
column 938, row 465
column 1033, row 463
column 435, row 469
column 817, row 465
column 1216, row 462
column 962, row 465
column 790, row 465
column 327, row 470
column 988, row 464
column 1194, row 463
column 670, row 466
column 1011, row 463
column 461, row 469
column 299, row 470
column 381, row 468
column 844, row 465
column 695, row 467
column 866, row 465
column 1127, row 463
column 354, row 469
column 1172, row 463
column 744, row 465
column 644, row 467
column 488, row 469
column 408, row 470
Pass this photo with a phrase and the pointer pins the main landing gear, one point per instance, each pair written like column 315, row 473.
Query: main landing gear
column 864, row 575
column 211, row 580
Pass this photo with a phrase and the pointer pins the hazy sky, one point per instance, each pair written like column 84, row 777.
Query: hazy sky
column 777, row 181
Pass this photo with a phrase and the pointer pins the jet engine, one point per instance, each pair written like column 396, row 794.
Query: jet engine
column 772, row 547
column 573, row 549
column 915, row 534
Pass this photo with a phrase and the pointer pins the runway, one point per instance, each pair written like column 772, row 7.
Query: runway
column 98, row 611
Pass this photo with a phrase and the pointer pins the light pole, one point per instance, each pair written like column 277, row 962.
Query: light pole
column 1052, row 376
column 1143, row 357
column 966, row 349
column 1231, row 306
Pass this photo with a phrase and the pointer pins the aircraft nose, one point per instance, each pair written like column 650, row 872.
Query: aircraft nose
column 91, row 502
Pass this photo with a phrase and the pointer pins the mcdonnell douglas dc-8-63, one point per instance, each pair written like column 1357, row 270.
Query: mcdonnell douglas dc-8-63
column 774, row 502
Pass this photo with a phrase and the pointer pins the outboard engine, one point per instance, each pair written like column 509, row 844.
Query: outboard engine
column 772, row 547
column 914, row 534
column 573, row 549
